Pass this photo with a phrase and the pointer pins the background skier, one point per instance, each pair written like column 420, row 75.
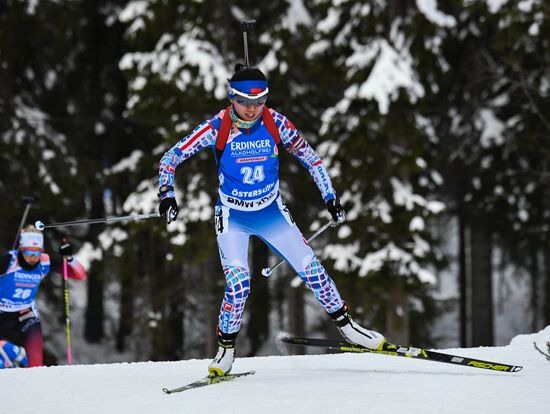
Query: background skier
column 21, row 272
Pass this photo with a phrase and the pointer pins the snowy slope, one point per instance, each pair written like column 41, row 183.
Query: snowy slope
column 342, row 383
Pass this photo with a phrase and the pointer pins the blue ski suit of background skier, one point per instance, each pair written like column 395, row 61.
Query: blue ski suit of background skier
column 250, row 204
column 12, row 356
column 21, row 272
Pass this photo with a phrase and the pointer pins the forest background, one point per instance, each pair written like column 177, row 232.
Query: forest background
column 432, row 118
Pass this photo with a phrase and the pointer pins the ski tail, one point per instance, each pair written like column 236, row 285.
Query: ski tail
column 402, row 351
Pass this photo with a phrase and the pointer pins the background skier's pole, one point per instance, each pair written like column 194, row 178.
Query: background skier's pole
column 266, row 271
column 67, row 319
column 28, row 200
column 247, row 27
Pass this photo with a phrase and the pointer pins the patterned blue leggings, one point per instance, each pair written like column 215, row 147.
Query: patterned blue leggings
column 276, row 228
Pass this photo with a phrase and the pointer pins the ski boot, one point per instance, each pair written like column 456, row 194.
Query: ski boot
column 222, row 363
column 354, row 333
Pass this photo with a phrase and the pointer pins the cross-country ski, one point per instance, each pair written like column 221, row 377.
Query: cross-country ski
column 402, row 351
column 208, row 380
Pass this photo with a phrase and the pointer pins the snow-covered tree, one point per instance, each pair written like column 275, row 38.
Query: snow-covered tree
column 379, row 145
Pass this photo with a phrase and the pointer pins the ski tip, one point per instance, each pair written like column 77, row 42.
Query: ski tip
column 282, row 336
column 242, row 374
column 166, row 390
column 289, row 339
column 516, row 368
column 281, row 341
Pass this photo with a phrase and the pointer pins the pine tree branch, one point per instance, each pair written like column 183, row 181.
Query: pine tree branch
column 522, row 83
column 534, row 105
column 543, row 353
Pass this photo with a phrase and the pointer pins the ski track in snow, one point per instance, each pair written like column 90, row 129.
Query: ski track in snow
column 336, row 383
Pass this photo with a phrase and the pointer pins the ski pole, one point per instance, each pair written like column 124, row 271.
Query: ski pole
column 41, row 226
column 28, row 200
column 266, row 271
column 247, row 26
column 67, row 319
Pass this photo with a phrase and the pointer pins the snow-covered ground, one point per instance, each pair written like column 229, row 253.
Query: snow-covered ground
column 337, row 383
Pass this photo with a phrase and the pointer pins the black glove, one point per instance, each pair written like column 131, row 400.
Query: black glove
column 65, row 249
column 336, row 210
column 168, row 209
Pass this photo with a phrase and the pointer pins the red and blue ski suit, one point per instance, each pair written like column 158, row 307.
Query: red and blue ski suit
column 250, row 204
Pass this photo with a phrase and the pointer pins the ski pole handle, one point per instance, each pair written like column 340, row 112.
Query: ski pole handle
column 266, row 271
column 41, row 226
column 248, row 27
column 28, row 200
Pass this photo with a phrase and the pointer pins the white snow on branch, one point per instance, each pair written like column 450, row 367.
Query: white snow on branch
column 493, row 5
column 526, row 6
column 135, row 12
column 126, row 164
column 344, row 256
column 404, row 262
column 433, row 14
column 492, row 128
column 198, row 207
column 296, row 15
column 403, row 195
column 328, row 149
column 176, row 60
column 330, row 22
column 88, row 254
column 417, row 224
column 380, row 208
column 43, row 139
column 48, row 179
column 346, row 259
column 317, row 48
column 35, row 117
column 31, row 6
column 110, row 236
column 270, row 62
column 392, row 71
column 144, row 199
column 352, row 198
column 362, row 56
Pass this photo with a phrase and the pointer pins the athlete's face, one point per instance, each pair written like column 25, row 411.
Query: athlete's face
column 31, row 257
column 247, row 112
